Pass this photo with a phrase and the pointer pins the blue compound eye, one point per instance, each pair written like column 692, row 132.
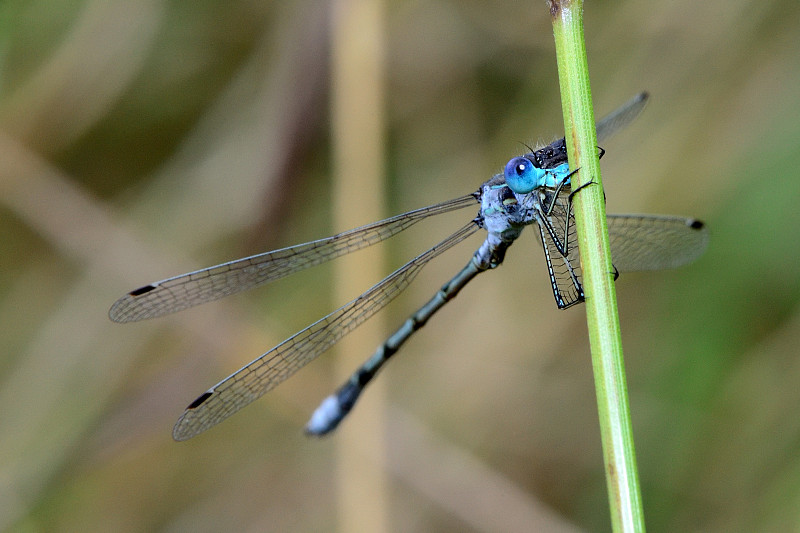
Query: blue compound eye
column 522, row 176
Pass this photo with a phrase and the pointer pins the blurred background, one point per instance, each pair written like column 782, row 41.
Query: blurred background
column 140, row 139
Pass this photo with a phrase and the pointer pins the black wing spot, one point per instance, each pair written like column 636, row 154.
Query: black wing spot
column 202, row 398
column 142, row 290
column 695, row 224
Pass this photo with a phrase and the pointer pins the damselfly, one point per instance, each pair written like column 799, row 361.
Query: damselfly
column 533, row 190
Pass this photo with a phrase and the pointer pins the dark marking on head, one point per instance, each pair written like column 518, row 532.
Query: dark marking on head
column 142, row 290
column 202, row 398
column 552, row 155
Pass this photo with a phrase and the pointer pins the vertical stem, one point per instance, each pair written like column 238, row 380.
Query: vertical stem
column 358, row 153
column 598, row 272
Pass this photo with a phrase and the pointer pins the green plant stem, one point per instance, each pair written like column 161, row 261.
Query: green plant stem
column 598, row 273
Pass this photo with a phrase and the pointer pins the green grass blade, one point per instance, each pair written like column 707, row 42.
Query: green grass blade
column 598, row 273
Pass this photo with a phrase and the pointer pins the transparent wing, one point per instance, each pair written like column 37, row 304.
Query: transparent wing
column 555, row 153
column 624, row 115
column 653, row 242
column 638, row 242
column 273, row 367
column 187, row 290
